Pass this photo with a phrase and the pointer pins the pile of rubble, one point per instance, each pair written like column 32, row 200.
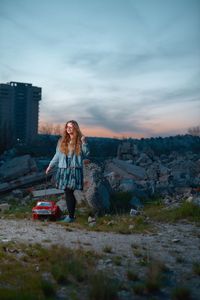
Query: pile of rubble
column 18, row 172
column 174, row 177
column 20, row 177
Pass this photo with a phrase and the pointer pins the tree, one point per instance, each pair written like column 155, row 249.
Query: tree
column 50, row 128
column 195, row 131
column 57, row 129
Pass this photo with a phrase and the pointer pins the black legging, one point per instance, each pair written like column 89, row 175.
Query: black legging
column 71, row 201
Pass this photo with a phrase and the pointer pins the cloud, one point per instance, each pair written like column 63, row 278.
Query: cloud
column 116, row 65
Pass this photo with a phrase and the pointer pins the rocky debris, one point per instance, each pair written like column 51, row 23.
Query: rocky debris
column 134, row 212
column 17, row 194
column 7, row 155
column 4, row 207
column 141, row 173
column 144, row 160
column 127, row 150
column 16, row 172
column 171, row 176
column 91, row 221
column 17, row 167
column 23, row 181
column 194, row 199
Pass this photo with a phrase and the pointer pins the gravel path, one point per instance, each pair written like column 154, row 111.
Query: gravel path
column 182, row 238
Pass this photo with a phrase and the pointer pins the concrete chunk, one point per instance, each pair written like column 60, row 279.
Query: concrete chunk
column 136, row 171
column 17, row 167
column 47, row 192
column 23, row 181
column 4, row 207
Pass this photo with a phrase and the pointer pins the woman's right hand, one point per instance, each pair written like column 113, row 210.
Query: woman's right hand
column 48, row 169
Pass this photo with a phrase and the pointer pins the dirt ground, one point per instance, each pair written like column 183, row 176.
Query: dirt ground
column 175, row 245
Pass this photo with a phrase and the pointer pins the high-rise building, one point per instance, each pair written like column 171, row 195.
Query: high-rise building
column 19, row 111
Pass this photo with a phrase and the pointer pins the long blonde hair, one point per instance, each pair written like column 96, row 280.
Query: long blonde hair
column 76, row 141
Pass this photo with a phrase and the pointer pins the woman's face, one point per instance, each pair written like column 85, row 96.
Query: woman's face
column 70, row 128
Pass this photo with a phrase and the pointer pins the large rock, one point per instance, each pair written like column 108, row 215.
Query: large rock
column 127, row 185
column 97, row 189
column 17, row 167
column 143, row 160
column 23, row 181
column 136, row 171
column 153, row 171
column 113, row 178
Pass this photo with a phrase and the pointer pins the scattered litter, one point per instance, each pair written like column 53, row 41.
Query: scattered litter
column 134, row 212
column 175, row 240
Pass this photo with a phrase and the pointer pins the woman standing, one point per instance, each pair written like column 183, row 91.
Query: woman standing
column 71, row 149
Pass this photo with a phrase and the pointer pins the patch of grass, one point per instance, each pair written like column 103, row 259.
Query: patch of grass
column 139, row 288
column 143, row 260
column 19, row 211
column 118, row 221
column 153, row 280
column 107, row 249
column 137, row 252
column 132, row 275
column 135, row 246
column 46, row 241
column 9, row 294
column 71, row 266
column 120, row 224
column 186, row 210
column 155, row 276
column 22, row 271
column 103, row 288
column 120, row 202
column 48, row 288
column 196, row 268
column 117, row 260
column 59, row 272
column 181, row 293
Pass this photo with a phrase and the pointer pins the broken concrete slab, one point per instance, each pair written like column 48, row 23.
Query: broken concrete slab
column 17, row 167
column 5, row 186
column 137, row 171
column 47, row 192
column 23, row 181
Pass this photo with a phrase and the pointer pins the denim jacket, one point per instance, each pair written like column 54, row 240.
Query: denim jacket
column 59, row 158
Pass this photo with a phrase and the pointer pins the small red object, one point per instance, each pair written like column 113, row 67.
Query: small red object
column 46, row 209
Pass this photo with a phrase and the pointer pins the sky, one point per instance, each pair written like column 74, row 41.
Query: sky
column 120, row 68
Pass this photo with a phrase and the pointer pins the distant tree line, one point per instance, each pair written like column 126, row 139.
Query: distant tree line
column 194, row 130
column 50, row 129
column 104, row 148
column 178, row 143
